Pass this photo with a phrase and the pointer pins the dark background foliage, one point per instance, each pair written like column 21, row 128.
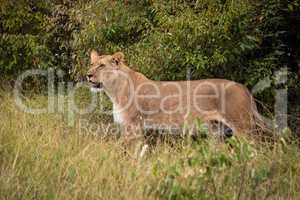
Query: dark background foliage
column 245, row 41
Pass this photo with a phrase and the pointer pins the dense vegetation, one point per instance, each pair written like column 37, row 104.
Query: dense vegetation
column 240, row 40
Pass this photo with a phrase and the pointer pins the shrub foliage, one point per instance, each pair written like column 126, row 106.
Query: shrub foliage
column 240, row 40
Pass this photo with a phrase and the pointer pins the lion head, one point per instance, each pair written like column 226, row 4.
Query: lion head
column 105, row 70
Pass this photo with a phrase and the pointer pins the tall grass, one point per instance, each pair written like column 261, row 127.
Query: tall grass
column 41, row 157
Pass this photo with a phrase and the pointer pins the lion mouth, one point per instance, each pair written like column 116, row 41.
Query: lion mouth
column 97, row 85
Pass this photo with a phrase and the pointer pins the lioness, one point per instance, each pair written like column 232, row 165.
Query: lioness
column 141, row 103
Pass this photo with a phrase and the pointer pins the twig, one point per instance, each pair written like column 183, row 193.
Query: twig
column 242, row 181
column 214, row 188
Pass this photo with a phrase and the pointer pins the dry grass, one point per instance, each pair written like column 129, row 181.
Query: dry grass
column 43, row 158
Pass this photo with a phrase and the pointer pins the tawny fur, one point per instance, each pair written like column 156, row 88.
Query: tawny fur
column 221, row 100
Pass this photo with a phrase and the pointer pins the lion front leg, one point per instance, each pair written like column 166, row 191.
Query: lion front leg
column 133, row 141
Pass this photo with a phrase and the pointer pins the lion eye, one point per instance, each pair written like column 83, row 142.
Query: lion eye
column 100, row 66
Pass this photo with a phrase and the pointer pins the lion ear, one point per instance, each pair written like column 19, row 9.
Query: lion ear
column 118, row 57
column 94, row 56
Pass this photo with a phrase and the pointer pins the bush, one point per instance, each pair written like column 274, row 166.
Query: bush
column 244, row 41
column 35, row 34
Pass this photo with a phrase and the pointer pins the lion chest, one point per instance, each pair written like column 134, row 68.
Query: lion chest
column 117, row 114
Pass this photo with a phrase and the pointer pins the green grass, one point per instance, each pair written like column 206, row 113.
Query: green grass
column 41, row 157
